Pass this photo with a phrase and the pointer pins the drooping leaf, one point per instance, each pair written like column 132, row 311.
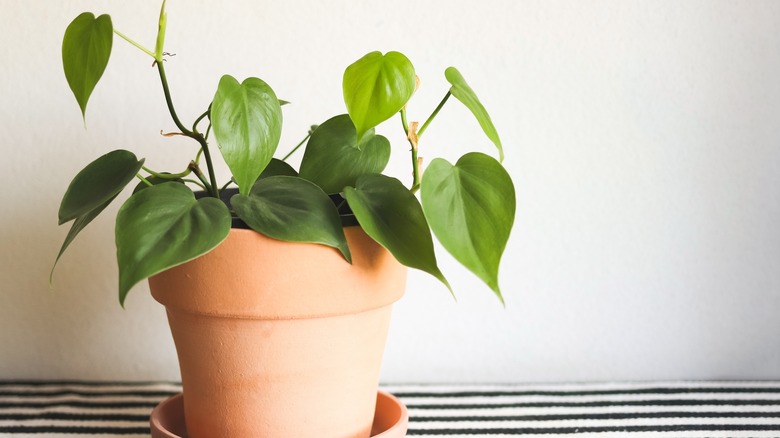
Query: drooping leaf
column 79, row 224
column 471, row 208
column 294, row 210
column 86, row 48
column 333, row 159
column 164, row 226
column 376, row 87
column 100, row 181
column 277, row 167
column 461, row 90
column 247, row 122
column 391, row 215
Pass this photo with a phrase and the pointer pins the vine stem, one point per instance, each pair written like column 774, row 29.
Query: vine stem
column 213, row 188
column 412, row 136
column 433, row 114
column 167, row 175
column 297, row 147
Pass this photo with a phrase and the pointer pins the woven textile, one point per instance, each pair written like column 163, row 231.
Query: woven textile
column 679, row 409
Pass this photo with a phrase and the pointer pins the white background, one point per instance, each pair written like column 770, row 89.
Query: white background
column 643, row 139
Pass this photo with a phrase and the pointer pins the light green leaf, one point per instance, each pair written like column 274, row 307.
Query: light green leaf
column 333, row 159
column 247, row 122
column 376, row 87
column 461, row 90
column 86, row 48
column 294, row 210
column 97, row 183
column 471, row 208
column 391, row 215
column 164, row 226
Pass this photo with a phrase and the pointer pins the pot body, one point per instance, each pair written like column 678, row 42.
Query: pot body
column 281, row 339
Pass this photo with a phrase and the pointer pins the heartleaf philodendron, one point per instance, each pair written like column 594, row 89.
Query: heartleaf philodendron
column 376, row 87
column 392, row 216
column 86, row 48
column 164, row 226
column 294, row 210
column 471, row 208
column 247, row 121
column 333, row 159
column 461, row 90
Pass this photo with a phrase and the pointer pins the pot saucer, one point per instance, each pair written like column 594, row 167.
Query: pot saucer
column 390, row 419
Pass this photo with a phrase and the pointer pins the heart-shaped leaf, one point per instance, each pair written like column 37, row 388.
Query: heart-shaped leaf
column 247, row 122
column 294, row 210
column 333, row 159
column 86, row 48
column 376, row 87
column 391, row 215
column 471, row 208
column 164, row 226
column 461, row 90
column 97, row 183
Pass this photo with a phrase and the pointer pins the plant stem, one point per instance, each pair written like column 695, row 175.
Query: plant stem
column 197, row 183
column 199, row 173
column 146, row 181
column 195, row 125
column 411, row 135
column 433, row 114
column 167, row 175
column 140, row 47
column 212, row 187
column 296, row 147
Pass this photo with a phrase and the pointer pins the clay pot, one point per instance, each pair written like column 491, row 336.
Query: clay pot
column 281, row 339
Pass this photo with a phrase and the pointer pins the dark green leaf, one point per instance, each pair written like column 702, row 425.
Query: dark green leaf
column 247, row 121
column 333, row 159
column 376, row 87
column 162, row 227
column 294, row 210
column 86, row 48
column 100, row 181
column 277, row 167
column 79, row 224
column 461, row 90
column 391, row 215
column 471, row 208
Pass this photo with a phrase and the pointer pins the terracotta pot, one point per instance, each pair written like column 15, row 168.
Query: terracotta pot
column 281, row 339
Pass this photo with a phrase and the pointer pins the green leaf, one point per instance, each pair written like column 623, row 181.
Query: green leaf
column 461, row 90
column 376, row 87
column 294, row 210
column 391, row 215
column 247, row 121
column 162, row 227
column 277, row 167
column 333, row 159
column 97, row 183
column 86, row 48
column 471, row 208
column 79, row 224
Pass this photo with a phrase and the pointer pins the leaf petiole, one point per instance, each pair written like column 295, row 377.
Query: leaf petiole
column 433, row 114
column 140, row 47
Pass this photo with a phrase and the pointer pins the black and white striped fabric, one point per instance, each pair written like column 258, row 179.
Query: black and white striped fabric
column 678, row 409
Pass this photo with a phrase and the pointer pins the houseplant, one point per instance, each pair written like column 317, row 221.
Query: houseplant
column 177, row 238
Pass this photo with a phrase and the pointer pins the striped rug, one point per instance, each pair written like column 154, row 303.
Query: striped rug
column 40, row 409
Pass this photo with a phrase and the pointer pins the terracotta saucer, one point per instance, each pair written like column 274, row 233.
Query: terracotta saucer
column 390, row 421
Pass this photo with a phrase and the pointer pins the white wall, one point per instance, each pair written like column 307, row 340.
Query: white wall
column 643, row 138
